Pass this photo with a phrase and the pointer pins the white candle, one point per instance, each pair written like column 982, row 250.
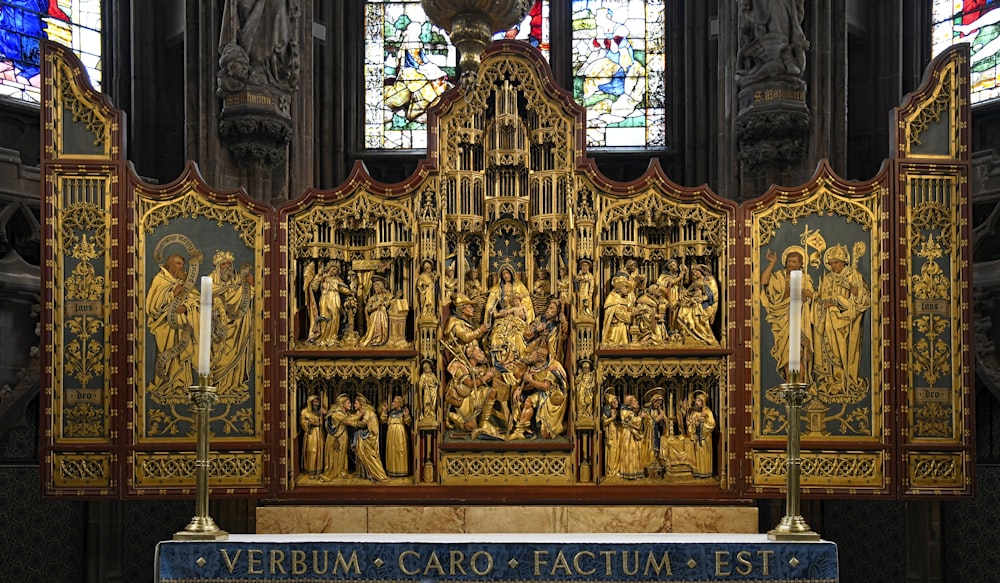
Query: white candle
column 205, row 331
column 795, row 322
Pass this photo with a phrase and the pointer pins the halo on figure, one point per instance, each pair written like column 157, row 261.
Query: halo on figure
column 793, row 249
column 609, row 394
column 654, row 393
column 342, row 398
column 836, row 252
column 704, row 395
column 583, row 260
column 380, row 279
column 427, row 262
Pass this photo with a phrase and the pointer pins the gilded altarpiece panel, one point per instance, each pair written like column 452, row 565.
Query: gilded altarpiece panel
column 836, row 234
column 185, row 231
column 507, row 316
column 83, row 367
column 933, row 221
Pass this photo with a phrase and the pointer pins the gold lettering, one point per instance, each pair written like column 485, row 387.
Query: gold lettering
column 635, row 568
column 561, row 563
column 435, row 563
column 255, row 559
column 765, row 555
column 455, row 562
column 607, row 562
column 402, row 564
column 539, row 562
column 720, row 563
column 298, row 562
column 326, row 562
column 277, row 556
column 576, row 563
column 663, row 565
column 230, row 563
column 347, row 565
column 474, row 560
column 743, row 559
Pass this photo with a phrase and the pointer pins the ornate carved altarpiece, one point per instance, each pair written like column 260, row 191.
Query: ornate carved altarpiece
column 506, row 324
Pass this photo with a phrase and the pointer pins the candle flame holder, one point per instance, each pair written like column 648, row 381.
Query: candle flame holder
column 793, row 527
column 202, row 527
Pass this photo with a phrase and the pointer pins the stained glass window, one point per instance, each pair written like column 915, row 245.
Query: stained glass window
column 976, row 22
column 23, row 23
column 619, row 59
column 409, row 64
column 534, row 29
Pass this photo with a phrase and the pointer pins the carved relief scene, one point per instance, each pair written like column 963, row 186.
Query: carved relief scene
column 495, row 281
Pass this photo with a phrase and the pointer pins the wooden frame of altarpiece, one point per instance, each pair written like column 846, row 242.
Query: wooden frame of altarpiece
column 506, row 187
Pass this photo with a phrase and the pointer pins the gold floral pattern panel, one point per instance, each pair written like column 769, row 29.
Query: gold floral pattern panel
column 933, row 327
column 834, row 233
column 935, row 355
column 186, row 232
column 82, row 363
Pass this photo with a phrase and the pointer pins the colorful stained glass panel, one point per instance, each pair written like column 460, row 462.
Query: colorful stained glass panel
column 534, row 29
column 976, row 22
column 409, row 64
column 619, row 64
column 23, row 23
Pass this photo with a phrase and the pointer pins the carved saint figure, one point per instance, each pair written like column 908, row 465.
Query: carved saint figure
column 335, row 450
column 612, row 428
column 632, row 429
column 429, row 386
column 260, row 32
column 311, row 424
column 774, row 295
column 839, row 305
column 397, row 437
column 450, row 283
column 377, row 308
column 771, row 42
column 671, row 281
column 700, row 424
column 699, row 305
column 585, row 287
column 508, row 311
column 470, row 398
column 330, row 305
column 365, row 441
column 618, row 307
column 541, row 398
column 586, row 390
column 426, row 289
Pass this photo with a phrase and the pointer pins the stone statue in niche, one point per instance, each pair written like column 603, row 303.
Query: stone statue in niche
column 771, row 42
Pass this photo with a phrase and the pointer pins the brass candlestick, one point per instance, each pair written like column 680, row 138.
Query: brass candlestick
column 792, row 526
column 202, row 527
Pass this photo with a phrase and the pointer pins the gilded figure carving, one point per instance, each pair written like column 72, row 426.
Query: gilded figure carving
column 311, row 424
column 429, row 386
column 327, row 298
column 619, row 308
column 365, row 441
column 586, row 287
column 377, row 307
column 427, row 283
column 586, row 392
column 337, row 436
column 396, row 416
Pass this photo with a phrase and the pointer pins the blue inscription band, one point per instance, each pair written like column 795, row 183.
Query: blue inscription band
column 496, row 557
